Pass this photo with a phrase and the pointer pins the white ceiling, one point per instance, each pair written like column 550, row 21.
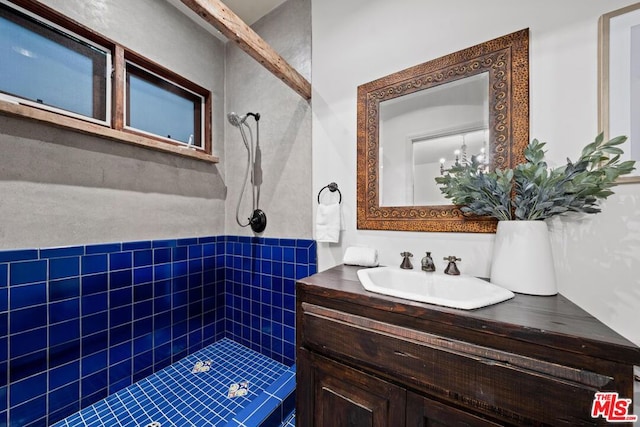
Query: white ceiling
column 248, row 10
column 252, row 10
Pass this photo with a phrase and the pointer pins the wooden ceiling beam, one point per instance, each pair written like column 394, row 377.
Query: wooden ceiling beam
column 233, row 28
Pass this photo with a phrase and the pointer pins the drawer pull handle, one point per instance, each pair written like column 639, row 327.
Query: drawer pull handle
column 636, row 378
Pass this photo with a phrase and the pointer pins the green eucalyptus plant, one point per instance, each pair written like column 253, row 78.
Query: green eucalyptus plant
column 532, row 190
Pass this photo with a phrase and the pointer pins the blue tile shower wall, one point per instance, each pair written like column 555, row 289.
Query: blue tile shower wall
column 79, row 323
column 260, row 292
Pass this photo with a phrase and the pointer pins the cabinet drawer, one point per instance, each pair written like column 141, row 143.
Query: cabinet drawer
column 507, row 386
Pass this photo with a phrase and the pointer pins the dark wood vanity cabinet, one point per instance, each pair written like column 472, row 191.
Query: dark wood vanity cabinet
column 365, row 359
column 343, row 396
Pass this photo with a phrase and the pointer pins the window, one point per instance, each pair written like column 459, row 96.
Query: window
column 54, row 64
column 157, row 106
column 60, row 71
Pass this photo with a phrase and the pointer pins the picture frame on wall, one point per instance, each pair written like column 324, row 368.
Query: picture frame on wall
column 619, row 80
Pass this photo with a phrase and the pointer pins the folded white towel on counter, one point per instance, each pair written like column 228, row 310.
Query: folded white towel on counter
column 362, row 256
column 328, row 218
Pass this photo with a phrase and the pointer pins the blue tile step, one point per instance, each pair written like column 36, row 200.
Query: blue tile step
column 290, row 421
column 272, row 407
column 176, row 396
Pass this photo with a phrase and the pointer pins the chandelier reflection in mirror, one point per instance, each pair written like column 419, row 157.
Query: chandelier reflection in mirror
column 474, row 152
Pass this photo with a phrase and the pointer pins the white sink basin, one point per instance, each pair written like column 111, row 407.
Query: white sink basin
column 466, row 292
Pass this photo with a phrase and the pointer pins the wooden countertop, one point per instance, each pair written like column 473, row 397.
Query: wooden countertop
column 551, row 321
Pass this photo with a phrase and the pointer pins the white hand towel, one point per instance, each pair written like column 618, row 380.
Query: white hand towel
column 363, row 256
column 328, row 223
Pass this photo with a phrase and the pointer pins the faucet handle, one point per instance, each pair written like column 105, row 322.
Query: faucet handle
column 406, row 262
column 452, row 268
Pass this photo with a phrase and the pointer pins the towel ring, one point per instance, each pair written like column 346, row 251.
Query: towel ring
column 333, row 187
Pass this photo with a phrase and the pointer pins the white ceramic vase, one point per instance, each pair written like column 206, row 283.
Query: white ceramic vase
column 522, row 259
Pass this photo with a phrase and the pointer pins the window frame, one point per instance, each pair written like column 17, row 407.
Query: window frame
column 114, row 126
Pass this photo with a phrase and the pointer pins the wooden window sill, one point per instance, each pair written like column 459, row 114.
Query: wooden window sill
column 65, row 122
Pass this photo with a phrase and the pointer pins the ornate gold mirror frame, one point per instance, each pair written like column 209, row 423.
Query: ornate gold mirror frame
column 506, row 60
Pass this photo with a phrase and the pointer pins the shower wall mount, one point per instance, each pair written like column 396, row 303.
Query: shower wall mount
column 258, row 219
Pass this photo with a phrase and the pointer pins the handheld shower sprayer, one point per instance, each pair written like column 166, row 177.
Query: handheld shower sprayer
column 258, row 219
column 237, row 120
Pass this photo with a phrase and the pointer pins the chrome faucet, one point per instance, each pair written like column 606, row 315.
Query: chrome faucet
column 452, row 268
column 406, row 262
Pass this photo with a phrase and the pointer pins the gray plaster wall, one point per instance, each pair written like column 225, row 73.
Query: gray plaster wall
column 58, row 187
column 285, row 127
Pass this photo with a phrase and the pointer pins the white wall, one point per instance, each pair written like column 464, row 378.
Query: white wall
column 361, row 40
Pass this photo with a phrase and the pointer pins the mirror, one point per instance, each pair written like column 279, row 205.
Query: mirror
column 417, row 122
column 426, row 132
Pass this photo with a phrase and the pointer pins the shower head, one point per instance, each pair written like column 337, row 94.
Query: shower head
column 235, row 119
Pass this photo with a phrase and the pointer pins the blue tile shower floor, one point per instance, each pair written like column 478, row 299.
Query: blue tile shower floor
column 177, row 397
